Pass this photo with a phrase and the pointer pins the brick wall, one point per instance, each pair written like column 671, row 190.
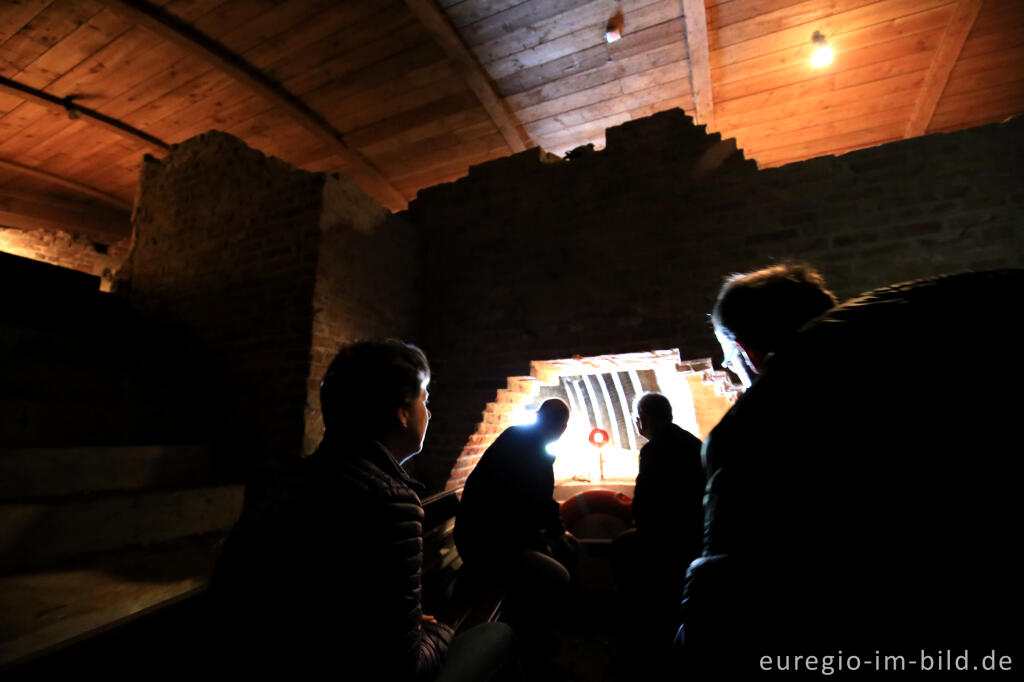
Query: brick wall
column 226, row 249
column 270, row 269
column 623, row 250
column 65, row 249
column 364, row 288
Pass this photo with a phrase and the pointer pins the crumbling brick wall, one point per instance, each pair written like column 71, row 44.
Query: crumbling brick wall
column 623, row 249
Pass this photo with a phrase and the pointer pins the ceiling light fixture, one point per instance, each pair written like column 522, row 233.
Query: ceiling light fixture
column 822, row 52
column 613, row 31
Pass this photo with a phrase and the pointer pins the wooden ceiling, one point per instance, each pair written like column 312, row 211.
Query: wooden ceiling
column 404, row 94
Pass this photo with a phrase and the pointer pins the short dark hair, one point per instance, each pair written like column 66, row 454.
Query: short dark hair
column 367, row 382
column 765, row 307
column 654, row 405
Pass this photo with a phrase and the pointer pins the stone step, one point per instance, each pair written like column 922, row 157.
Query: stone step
column 45, row 612
column 39, row 472
column 37, row 535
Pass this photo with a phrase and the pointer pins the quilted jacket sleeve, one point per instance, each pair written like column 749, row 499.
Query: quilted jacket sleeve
column 419, row 647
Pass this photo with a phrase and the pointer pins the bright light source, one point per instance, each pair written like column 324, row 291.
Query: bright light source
column 525, row 418
column 822, row 52
column 822, row 56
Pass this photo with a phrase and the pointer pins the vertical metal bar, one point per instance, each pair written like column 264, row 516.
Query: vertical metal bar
column 613, row 421
column 626, row 412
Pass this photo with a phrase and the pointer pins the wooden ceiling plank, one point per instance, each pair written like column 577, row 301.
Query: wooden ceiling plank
column 813, row 94
column 987, row 102
column 316, row 39
column 77, row 47
column 177, row 71
column 382, row 58
column 46, row 29
column 365, row 109
column 65, row 182
column 622, row 87
column 50, row 213
column 758, row 127
column 466, row 12
column 192, row 91
column 635, row 23
column 39, row 131
column 21, row 117
column 147, row 63
column 575, row 18
column 660, row 56
column 902, row 55
column 797, row 58
column 447, row 169
column 590, row 133
column 190, row 40
column 224, row 108
column 613, row 106
column 683, row 103
column 986, row 71
column 576, row 100
column 695, row 21
column 367, row 40
column 479, row 82
column 994, row 31
column 497, row 24
column 557, row 69
column 15, row 17
column 391, row 77
column 272, row 27
column 832, row 26
column 408, row 123
column 824, row 130
column 776, row 21
column 224, row 17
column 104, row 68
column 751, row 114
column 631, row 44
column 110, row 124
column 942, row 65
column 728, row 12
column 437, row 151
column 189, row 10
column 868, row 137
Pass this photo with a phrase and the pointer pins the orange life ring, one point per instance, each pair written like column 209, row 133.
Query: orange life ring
column 599, row 438
column 596, row 513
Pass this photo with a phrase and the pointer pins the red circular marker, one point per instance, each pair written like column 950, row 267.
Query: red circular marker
column 599, row 438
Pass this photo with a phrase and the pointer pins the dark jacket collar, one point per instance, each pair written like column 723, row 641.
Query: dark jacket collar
column 374, row 452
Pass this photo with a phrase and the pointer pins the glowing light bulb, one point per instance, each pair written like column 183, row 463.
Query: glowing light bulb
column 823, row 54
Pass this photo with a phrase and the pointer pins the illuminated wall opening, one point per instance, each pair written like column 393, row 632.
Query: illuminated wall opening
column 600, row 391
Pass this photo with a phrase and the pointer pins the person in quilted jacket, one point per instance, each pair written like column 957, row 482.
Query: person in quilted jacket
column 334, row 578
column 861, row 498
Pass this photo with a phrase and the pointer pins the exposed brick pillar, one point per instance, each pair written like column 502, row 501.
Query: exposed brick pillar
column 269, row 268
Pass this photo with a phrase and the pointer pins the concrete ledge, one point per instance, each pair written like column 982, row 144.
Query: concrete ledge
column 40, row 535
column 43, row 612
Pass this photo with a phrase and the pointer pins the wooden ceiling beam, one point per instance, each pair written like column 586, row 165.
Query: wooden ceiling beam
column 171, row 29
column 67, row 105
column 44, row 212
column 946, row 55
column 696, row 22
column 479, row 82
column 65, row 182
